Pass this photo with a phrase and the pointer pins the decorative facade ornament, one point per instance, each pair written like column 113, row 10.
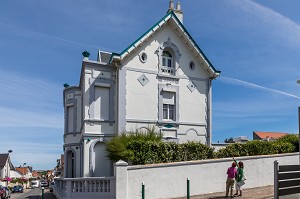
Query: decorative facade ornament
column 191, row 86
column 171, row 45
column 143, row 80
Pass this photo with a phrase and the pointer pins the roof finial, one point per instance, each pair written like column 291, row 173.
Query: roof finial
column 178, row 12
column 171, row 5
column 178, row 6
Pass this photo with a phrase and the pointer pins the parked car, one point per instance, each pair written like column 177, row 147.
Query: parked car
column 8, row 192
column 35, row 184
column 44, row 183
column 2, row 192
column 51, row 186
column 17, row 188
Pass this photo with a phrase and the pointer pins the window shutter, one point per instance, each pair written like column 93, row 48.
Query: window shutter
column 168, row 98
column 101, row 108
column 70, row 110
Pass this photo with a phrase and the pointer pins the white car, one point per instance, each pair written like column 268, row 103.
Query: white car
column 35, row 184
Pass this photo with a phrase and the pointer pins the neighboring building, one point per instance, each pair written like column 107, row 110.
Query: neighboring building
column 25, row 172
column 163, row 79
column 36, row 175
column 241, row 139
column 218, row 146
column 59, row 169
column 267, row 136
column 5, row 167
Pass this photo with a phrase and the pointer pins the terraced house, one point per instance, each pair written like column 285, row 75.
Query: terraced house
column 162, row 79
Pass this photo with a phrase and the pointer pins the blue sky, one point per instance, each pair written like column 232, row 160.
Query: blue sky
column 256, row 45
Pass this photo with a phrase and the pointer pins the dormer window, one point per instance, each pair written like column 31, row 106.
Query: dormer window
column 168, row 57
column 167, row 63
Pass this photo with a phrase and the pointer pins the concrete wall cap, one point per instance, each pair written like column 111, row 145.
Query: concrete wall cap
column 121, row 163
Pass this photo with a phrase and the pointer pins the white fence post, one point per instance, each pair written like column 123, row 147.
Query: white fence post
column 121, row 175
column 276, row 179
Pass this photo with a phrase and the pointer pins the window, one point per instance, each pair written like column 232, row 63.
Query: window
column 101, row 103
column 192, row 65
column 70, row 115
column 168, row 105
column 167, row 63
column 143, row 57
column 168, row 112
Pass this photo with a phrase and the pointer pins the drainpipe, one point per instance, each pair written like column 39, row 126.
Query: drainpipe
column 209, row 113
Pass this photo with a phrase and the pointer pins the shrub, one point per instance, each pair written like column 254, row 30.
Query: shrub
column 291, row 138
column 149, row 152
column 117, row 146
column 146, row 147
column 255, row 147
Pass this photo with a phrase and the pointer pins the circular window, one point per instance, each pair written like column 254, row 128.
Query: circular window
column 192, row 65
column 143, row 57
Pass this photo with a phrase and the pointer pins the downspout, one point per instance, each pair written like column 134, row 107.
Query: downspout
column 117, row 99
column 209, row 113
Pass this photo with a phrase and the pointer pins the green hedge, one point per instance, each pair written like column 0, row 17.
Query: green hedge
column 147, row 148
column 117, row 146
column 150, row 152
column 255, row 147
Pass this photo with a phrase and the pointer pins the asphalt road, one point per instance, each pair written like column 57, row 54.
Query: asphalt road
column 28, row 194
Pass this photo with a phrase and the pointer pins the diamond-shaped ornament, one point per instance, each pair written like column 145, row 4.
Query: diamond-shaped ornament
column 143, row 79
column 191, row 86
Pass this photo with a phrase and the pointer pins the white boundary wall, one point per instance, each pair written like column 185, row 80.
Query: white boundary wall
column 206, row 176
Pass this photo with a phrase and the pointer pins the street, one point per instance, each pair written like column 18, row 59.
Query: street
column 28, row 193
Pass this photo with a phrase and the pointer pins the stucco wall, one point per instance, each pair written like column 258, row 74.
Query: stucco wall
column 206, row 176
column 142, row 101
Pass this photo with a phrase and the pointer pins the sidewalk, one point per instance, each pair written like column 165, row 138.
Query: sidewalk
column 258, row 192
column 48, row 195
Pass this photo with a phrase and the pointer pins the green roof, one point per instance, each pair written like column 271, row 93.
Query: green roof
column 165, row 18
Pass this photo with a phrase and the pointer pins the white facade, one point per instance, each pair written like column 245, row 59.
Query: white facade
column 163, row 79
column 5, row 167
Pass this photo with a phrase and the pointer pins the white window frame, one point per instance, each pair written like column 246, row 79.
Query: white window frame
column 169, row 112
column 175, row 90
column 167, row 65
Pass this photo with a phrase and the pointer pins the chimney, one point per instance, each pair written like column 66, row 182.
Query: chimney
column 171, row 6
column 178, row 12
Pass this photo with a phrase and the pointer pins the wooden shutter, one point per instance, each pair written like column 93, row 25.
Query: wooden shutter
column 101, row 103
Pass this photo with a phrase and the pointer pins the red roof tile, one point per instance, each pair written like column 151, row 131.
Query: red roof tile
column 22, row 170
column 271, row 135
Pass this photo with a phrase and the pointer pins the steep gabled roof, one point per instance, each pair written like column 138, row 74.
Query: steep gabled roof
column 22, row 170
column 271, row 135
column 183, row 33
column 3, row 159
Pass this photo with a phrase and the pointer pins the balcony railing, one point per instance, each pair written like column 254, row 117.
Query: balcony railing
column 91, row 187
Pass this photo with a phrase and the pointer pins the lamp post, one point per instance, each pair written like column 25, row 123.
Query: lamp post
column 24, row 173
column 298, row 81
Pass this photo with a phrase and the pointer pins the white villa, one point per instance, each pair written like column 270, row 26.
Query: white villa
column 163, row 79
column 6, row 167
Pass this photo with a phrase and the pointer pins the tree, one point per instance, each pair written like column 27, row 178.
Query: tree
column 229, row 140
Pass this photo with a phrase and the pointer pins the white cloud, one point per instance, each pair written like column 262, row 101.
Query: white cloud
column 35, row 34
column 29, row 102
column 275, row 23
column 255, row 86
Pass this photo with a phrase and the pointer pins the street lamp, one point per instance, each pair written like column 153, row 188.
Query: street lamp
column 24, row 173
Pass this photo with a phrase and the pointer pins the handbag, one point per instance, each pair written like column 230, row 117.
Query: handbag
column 240, row 183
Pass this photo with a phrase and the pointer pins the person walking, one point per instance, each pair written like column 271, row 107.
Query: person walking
column 231, row 175
column 240, row 179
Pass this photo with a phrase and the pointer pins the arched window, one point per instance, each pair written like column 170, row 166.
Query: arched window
column 167, row 63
